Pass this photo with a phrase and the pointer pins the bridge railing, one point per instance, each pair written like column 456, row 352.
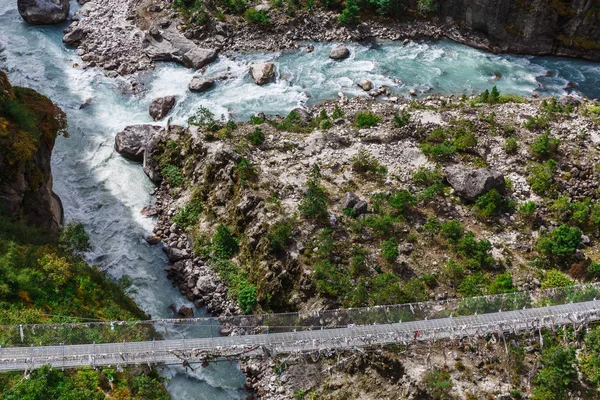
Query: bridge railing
column 134, row 331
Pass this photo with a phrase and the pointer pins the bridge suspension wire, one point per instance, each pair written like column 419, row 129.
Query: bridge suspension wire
column 318, row 325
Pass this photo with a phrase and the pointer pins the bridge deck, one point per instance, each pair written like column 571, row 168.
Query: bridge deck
column 198, row 349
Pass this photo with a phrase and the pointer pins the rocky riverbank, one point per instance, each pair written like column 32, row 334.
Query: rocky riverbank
column 130, row 36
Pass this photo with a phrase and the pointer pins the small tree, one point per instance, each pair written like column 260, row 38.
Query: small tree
column 351, row 14
column 314, row 203
column 74, row 238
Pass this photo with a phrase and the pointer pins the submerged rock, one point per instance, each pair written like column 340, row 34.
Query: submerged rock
column 262, row 73
column 339, row 52
column 43, row 12
column 471, row 183
column 131, row 141
column 161, row 106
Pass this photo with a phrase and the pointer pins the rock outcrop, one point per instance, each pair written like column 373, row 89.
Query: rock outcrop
column 471, row 183
column 262, row 73
column 570, row 28
column 199, row 84
column 160, row 107
column 25, row 153
column 170, row 45
column 43, row 12
column 131, row 141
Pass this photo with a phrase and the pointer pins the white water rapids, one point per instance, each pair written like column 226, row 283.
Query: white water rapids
column 107, row 192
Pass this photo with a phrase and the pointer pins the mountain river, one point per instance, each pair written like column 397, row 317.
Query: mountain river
column 107, row 192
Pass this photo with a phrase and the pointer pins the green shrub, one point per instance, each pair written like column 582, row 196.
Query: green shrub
column 555, row 278
column 245, row 170
column 477, row 253
column 538, row 122
column 224, row 245
column 510, row 145
column 452, row 273
column 389, row 250
column 364, row 163
column 594, row 270
column 438, row 384
column 188, row 215
column 558, row 247
column 527, row 209
column 589, row 360
column 489, row 204
column 427, row 6
column 402, row 201
column 424, row 176
column 172, row 175
column 256, row 17
column 246, row 298
column 254, row 120
column 557, row 374
column 438, row 151
column 430, row 280
column 541, row 177
column 401, row 119
column 256, row 137
column 280, row 236
column 337, row 112
column 351, row 13
column 452, row 230
column 204, row 118
column 382, row 224
column 330, row 280
column 74, row 238
column 314, row 202
column 545, row 146
column 472, row 285
column 325, row 124
column 502, row 284
column 366, row 119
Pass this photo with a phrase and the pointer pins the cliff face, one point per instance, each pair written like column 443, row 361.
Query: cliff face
column 557, row 27
column 29, row 124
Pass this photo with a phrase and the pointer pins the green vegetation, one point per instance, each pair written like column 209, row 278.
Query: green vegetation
column 527, row 209
column 402, row 119
column 558, row 246
column 337, row 112
column 366, row 119
column 495, row 97
column 351, row 13
column 444, row 143
column 314, row 203
column 224, row 244
column 510, row 145
column 256, row 137
column 256, row 17
column 555, row 278
column 427, row 6
column 557, row 375
column 364, row 163
column 545, row 146
column 438, row 384
column 490, row 204
column 389, row 250
column 541, row 178
column 280, row 236
column 188, row 216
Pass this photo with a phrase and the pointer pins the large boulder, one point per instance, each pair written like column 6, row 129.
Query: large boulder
column 471, row 183
column 131, row 141
column 160, row 107
column 199, row 84
column 43, row 12
column 339, row 52
column 170, row 45
column 262, row 73
column 197, row 58
column 74, row 36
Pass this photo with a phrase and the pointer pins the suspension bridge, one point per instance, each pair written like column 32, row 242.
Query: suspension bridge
column 326, row 330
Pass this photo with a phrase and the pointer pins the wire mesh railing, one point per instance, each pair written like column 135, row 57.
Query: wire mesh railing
column 135, row 331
